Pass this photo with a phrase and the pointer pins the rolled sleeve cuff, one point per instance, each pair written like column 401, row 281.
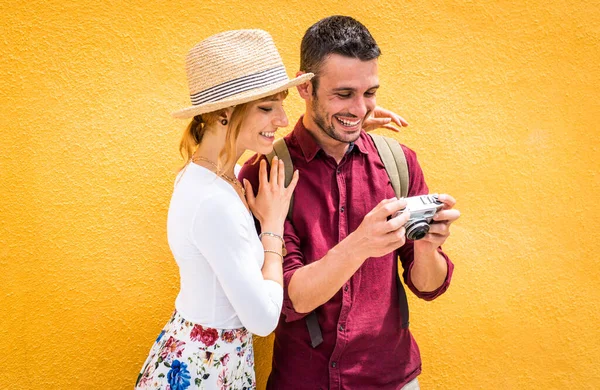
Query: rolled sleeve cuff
column 288, row 311
column 431, row 295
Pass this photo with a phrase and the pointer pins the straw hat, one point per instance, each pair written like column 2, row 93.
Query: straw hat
column 234, row 67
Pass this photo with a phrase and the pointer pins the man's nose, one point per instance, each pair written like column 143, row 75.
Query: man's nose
column 361, row 107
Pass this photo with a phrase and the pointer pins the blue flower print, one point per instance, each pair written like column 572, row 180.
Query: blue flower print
column 160, row 336
column 178, row 376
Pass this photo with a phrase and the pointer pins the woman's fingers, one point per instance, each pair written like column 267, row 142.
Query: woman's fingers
column 292, row 186
column 250, row 198
column 262, row 174
column 281, row 176
column 274, row 172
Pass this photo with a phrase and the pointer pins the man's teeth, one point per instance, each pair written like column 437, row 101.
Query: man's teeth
column 347, row 122
column 268, row 135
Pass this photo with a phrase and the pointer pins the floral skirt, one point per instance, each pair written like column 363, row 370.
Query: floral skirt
column 189, row 356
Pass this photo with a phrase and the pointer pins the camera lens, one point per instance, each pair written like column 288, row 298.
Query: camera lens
column 416, row 230
column 420, row 233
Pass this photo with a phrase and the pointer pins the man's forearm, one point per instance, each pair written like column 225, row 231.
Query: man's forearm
column 315, row 283
column 429, row 270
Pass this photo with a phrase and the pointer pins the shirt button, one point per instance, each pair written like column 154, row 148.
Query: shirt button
column 341, row 328
column 342, row 209
column 333, row 364
column 339, row 171
column 346, row 288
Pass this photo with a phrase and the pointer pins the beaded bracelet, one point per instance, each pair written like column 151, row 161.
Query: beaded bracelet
column 277, row 253
column 283, row 250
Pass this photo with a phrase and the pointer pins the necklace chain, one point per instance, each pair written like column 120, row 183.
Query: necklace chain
column 232, row 180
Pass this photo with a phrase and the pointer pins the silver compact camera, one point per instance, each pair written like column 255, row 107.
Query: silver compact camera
column 422, row 209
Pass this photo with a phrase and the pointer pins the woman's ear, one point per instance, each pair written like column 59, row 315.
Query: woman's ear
column 225, row 116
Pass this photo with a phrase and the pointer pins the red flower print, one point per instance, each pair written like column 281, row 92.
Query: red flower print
column 241, row 333
column 173, row 347
column 228, row 336
column 206, row 335
column 225, row 359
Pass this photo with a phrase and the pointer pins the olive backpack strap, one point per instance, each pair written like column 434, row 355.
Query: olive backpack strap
column 394, row 160
column 282, row 152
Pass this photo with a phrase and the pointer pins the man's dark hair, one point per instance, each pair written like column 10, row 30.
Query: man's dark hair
column 336, row 34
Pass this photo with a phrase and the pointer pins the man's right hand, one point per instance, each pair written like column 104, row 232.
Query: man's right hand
column 314, row 284
column 378, row 234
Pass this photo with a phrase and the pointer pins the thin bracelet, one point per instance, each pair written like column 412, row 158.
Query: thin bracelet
column 277, row 253
column 283, row 250
column 272, row 235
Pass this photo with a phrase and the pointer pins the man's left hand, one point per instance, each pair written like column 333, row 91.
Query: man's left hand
column 382, row 118
column 439, row 229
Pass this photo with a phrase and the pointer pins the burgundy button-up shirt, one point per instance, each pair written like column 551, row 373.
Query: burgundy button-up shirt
column 364, row 346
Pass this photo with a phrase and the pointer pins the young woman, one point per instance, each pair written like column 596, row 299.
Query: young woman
column 231, row 279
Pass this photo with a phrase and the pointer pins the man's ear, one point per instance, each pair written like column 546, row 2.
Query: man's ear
column 305, row 90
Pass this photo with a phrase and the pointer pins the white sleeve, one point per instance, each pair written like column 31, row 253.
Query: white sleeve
column 222, row 235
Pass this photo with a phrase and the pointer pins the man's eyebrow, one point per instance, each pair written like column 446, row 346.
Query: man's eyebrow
column 343, row 89
column 350, row 89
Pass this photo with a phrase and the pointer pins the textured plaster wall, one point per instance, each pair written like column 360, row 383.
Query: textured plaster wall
column 503, row 103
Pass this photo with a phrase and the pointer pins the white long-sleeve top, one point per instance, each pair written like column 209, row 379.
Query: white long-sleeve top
column 214, row 242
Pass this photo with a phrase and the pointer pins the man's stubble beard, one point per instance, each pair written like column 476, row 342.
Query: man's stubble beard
column 320, row 121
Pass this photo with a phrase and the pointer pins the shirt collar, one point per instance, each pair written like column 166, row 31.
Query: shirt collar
column 307, row 143
column 360, row 143
column 310, row 147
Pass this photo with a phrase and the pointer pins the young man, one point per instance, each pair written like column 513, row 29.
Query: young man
column 342, row 247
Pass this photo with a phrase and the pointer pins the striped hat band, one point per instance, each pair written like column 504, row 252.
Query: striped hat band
column 241, row 84
column 234, row 67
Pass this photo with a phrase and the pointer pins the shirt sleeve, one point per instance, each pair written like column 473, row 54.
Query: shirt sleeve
column 417, row 186
column 223, row 235
column 249, row 171
column 294, row 258
column 292, row 262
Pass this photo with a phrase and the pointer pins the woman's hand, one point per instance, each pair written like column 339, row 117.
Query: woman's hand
column 385, row 119
column 270, row 205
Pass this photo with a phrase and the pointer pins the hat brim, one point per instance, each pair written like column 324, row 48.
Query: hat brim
column 240, row 98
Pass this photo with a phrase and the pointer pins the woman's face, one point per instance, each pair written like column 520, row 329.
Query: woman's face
column 263, row 118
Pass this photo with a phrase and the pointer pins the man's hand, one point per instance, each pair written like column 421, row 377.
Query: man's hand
column 314, row 284
column 378, row 234
column 439, row 229
column 382, row 118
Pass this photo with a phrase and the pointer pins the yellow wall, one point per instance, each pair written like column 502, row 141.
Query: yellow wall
column 503, row 103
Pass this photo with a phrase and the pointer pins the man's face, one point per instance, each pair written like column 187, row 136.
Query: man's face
column 344, row 98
